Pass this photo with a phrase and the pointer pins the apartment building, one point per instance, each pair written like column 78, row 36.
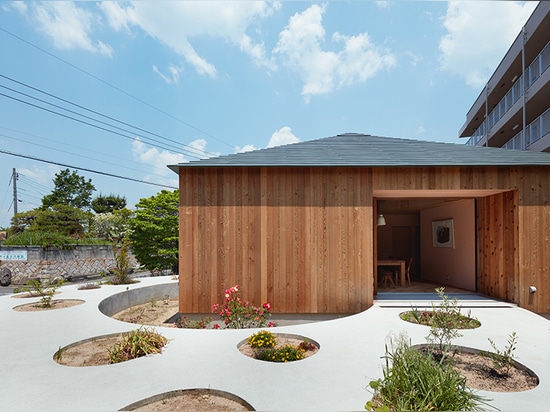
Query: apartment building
column 513, row 109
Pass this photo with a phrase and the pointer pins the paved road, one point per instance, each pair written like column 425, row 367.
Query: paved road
column 6, row 290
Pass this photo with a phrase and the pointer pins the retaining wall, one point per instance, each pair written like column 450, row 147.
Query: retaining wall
column 51, row 263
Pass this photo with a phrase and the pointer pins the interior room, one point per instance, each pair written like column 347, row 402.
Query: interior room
column 435, row 236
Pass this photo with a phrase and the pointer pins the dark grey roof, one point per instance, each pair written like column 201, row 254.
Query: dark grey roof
column 352, row 149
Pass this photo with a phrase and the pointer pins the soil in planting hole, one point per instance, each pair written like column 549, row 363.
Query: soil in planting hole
column 54, row 304
column 153, row 313
column 194, row 400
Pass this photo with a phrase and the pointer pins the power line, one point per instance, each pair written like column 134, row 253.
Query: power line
column 74, row 154
column 85, row 169
column 193, row 151
column 115, row 87
column 56, row 142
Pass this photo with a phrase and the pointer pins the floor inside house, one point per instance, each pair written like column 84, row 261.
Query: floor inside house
column 418, row 286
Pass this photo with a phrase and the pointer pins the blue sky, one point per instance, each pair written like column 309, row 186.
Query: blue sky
column 180, row 80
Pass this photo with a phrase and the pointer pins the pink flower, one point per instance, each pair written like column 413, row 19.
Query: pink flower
column 267, row 306
column 215, row 307
column 271, row 325
column 216, row 326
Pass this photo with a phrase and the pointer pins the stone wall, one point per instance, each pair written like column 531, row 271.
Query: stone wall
column 52, row 263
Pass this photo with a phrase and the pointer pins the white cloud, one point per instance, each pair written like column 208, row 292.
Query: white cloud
column 67, row 25
column 174, row 74
column 155, row 158
column 479, row 34
column 176, row 23
column 246, row 148
column 300, row 47
column 282, row 136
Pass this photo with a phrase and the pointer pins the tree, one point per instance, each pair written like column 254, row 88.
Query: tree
column 70, row 190
column 55, row 226
column 112, row 225
column 108, row 204
column 154, row 231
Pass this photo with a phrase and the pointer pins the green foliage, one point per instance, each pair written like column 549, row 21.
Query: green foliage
column 503, row 360
column 35, row 287
column 287, row 353
column 39, row 238
column 112, row 225
column 154, row 231
column 108, row 204
column 70, row 190
column 57, row 226
column 415, row 381
column 137, row 343
column 187, row 323
column 122, row 259
column 443, row 325
column 262, row 339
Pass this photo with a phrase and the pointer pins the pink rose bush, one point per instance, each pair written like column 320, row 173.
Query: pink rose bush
column 240, row 314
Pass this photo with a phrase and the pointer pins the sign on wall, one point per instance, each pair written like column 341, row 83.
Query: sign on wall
column 13, row 255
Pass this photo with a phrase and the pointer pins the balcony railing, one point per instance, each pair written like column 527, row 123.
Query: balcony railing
column 532, row 73
column 536, row 130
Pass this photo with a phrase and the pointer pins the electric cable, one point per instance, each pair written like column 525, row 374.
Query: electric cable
column 116, row 88
column 85, row 169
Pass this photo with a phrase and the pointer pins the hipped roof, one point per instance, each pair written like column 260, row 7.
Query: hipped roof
column 354, row 149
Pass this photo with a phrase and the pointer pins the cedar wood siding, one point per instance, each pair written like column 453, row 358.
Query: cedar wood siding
column 302, row 239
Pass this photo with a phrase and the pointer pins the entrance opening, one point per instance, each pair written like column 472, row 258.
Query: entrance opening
column 434, row 236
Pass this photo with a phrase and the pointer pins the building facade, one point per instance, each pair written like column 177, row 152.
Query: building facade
column 513, row 109
column 296, row 225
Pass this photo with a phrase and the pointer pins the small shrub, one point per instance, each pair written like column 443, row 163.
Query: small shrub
column 91, row 285
column 415, row 381
column 262, row 339
column 240, row 314
column 187, row 323
column 137, row 343
column 305, row 346
column 503, row 360
column 35, row 287
column 286, row 353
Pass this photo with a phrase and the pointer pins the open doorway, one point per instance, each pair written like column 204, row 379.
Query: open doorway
column 409, row 233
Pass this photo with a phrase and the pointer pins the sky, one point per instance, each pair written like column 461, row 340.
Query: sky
column 120, row 90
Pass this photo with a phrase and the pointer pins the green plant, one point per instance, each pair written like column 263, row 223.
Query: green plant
column 262, row 339
column 166, row 299
column 445, row 322
column 58, row 355
column 153, row 303
column 201, row 323
column 122, row 259
column 287, row 353
column 240, row 314
column 503, row 360
column 35, row 287
column 415, row 381
column 137, row 343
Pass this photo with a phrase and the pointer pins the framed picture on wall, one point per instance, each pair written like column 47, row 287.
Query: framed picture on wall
column 443, row 233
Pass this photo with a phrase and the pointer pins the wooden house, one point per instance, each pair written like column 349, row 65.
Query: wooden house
column 296, row 225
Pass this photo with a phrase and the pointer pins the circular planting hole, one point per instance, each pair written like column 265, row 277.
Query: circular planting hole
column 278, row 347
column 191, row 400
column 426, row 318
column 480, row 373
column 110, row 349
column 53, row 304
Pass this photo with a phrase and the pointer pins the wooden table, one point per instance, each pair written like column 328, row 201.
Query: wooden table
column 395, row 262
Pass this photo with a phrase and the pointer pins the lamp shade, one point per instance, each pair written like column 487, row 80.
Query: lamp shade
column 381, row 221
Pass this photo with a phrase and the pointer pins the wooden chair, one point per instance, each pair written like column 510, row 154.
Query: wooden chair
column 408, row 271
column 387, row 274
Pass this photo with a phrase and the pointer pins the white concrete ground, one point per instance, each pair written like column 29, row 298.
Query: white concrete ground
column 335, row 379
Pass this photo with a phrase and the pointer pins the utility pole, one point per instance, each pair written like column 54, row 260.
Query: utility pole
column 14, row 178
